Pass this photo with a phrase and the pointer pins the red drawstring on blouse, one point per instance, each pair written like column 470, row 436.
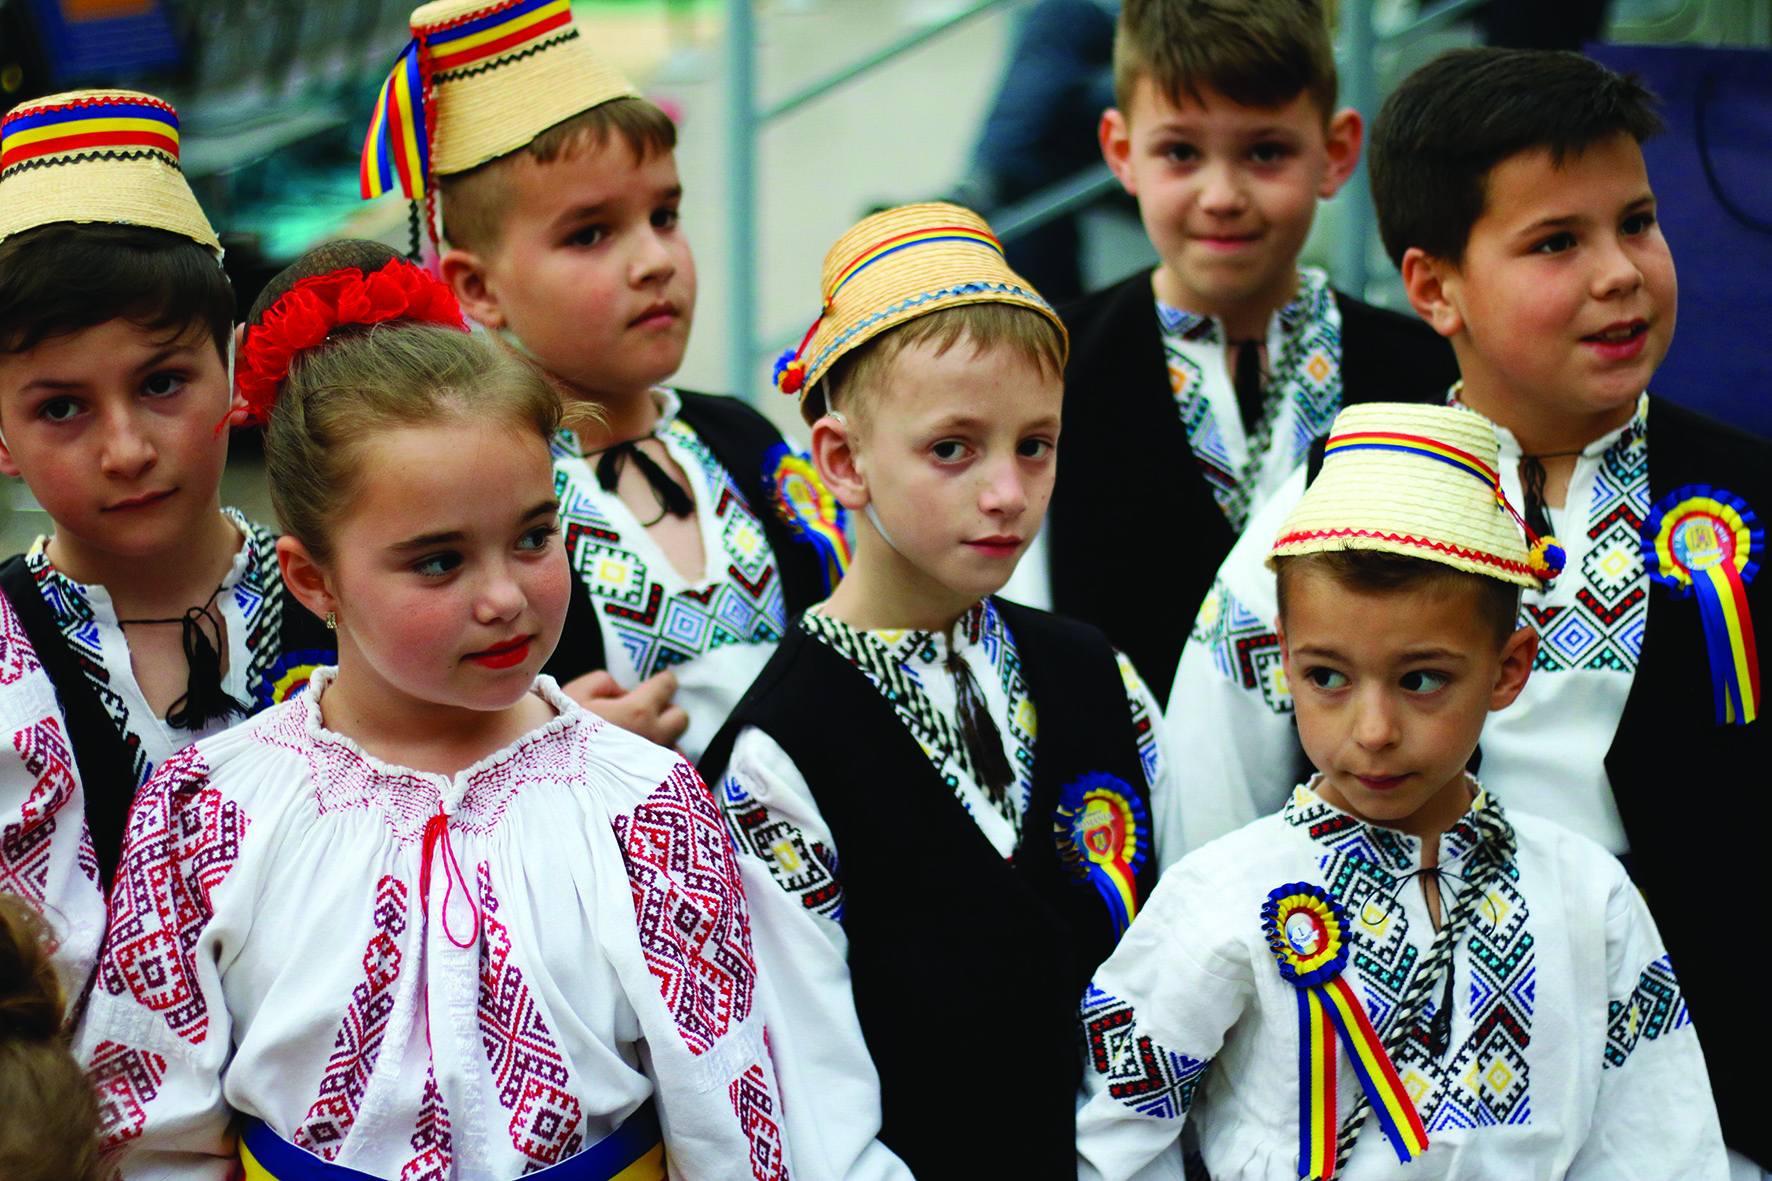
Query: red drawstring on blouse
column 437, row 829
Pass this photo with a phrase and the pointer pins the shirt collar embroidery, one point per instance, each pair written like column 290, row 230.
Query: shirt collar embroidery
column 1396, row 852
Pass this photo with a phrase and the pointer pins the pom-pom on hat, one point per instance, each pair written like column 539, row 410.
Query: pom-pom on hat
column 896, row 266
column 1422, row 481
column 479, row 80
column 96, row 156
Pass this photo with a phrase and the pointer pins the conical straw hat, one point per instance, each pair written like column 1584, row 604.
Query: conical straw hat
column 477, row 82
column 1420, row 481
column 96, row 156
column 896, row 266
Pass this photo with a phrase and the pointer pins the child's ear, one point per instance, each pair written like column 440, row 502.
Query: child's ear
column 304, row 577
column 1342, row 139
column 7, row 466
column 1116, row 147
column 1431, row 285
column 465, row 272
column 236, row 400
column 833, row 453
column 1517, row 656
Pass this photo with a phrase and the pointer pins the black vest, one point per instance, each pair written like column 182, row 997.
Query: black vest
column 967, row 968
column 739, row 437
column 1136, row 537
column 107, row 773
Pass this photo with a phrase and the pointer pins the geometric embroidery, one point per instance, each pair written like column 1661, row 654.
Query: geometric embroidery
column 1144, row 1076
column 25, row 844
column 804, row 870
column 360, row 1032
column 1655, row 1007
column 689, row 907
column 743, row 606
column 1143, row 729
column 124, row 1081
column 754, row 1105
column 527, row 1068
column 17, row 658
column 183, row 838
column 1244, row 647
column 432, row 1140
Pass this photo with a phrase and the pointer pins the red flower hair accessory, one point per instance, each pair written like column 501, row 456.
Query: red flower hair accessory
column 318, row 304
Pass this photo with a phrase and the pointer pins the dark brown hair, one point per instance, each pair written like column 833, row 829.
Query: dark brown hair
column 474, row 201
column 1444, row 130
column 1382, row 572
column 1257, row 53
column 66, row 277
column 48, row 1117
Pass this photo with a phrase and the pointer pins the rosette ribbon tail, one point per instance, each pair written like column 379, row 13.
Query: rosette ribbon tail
column 1390, row 1102
column 1316, row 1087
column 1729, row 639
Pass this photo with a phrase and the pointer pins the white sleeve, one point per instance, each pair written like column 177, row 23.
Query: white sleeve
column 1153, row 1019
column 830, row 1089
column 1654, row 1116
column 1230, row 709
column 1159, row 767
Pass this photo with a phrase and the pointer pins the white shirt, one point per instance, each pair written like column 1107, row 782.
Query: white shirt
column 476, row 975
column 715, row 634
column 1570, row 1052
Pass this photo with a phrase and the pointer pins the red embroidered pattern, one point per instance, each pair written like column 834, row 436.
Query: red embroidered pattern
column 754, row 1105
column 431, row 1141
column 17, row 658
column 123, row 1082
column 25, row 843
column 1457, row 551
column 183, row 839
column 532, row 1080
column 360, row 1032
column 689, row 907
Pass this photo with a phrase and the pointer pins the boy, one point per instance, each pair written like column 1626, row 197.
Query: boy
column 1227, row 133
column 157, row 616
column 1511, row 191
column 559, row 198
column 1487, row 985
column 945, row 798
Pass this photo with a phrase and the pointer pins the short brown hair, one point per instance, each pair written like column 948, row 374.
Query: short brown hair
column 855, row 376
column 366, row 379
column 1257, row 53
column 1382, row 572
column 474, row 201
column 49, row 1121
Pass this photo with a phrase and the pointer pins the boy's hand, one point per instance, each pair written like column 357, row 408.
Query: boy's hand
column 645, row 709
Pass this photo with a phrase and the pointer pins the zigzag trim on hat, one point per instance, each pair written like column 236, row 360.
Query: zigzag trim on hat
column 1457, row 551
column 84, row 157
column 488, row 67
column 917, row 301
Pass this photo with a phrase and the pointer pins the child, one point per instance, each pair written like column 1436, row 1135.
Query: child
column 1511, row 191
column 48, row 1120
column 950, row 800
column 428, row 918
column 1228, row 135
column 559, row 198
column 151, row 616
column 1497, row 985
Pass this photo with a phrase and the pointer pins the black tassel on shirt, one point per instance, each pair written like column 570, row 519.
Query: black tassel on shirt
column 984, row 742
column 204, row 700
column 671, row 496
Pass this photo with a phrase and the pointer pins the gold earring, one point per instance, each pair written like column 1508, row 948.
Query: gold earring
column 331, row 621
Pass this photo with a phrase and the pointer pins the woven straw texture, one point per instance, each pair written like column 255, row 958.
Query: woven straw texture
column 498, row 105
column 101, row 185
column 924, row 277
column 1406, row 503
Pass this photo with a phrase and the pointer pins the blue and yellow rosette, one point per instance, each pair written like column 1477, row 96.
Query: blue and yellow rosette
column 800, row 499
column 290, row 674
column 1702, row 540
column 1308, row 932
column 1103, row 834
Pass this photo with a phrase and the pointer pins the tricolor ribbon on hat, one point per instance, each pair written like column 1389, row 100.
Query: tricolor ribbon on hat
column 1103, row 830
column 1306, row 929
column 397, row 150
column 801, row 500
column 1544, row 555
column 89, row 126
column 1704, row 541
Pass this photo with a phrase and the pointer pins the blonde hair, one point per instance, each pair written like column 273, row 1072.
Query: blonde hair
column 48, row 1116
column 368, row 379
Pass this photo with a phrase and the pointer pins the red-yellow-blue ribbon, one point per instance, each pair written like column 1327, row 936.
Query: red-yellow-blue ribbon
column 88, row 125
column 1307, row 930
column 1704, row 541
column 801, row 500
column 1103, row 829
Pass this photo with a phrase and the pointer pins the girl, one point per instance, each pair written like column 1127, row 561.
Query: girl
column 428, row 918
column 48, row 1122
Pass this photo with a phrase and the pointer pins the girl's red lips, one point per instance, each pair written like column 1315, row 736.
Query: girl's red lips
column 505, row 655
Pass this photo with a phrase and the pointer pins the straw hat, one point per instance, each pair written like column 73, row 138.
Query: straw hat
column 896, row 266
column 96, row 156
column 479, row 81
column 1420, row 481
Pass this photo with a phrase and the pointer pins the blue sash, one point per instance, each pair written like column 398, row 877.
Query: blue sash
column 633, row 1152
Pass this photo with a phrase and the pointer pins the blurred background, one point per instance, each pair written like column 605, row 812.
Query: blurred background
column 796, row 117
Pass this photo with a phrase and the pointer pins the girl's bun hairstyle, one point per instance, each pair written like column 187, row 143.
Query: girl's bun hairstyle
column 333, row 388
column 48, row 1117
